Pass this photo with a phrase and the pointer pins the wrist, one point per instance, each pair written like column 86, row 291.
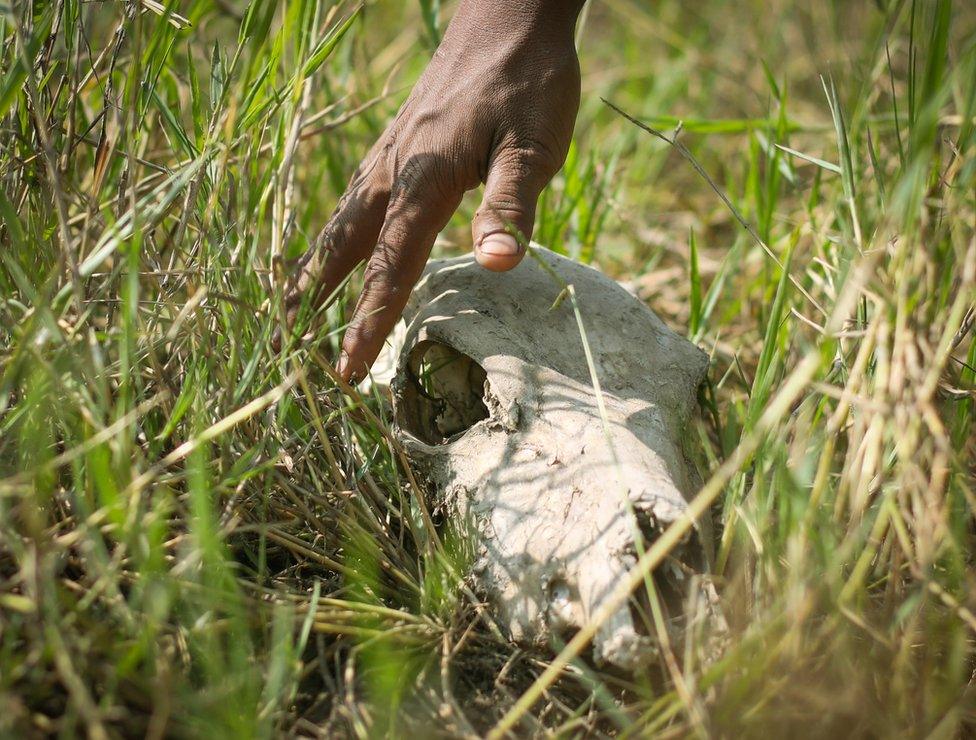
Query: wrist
column 535, row 18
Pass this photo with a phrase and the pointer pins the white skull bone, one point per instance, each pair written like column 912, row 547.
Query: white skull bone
column 496, row 406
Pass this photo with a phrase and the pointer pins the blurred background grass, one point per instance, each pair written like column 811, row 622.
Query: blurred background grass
column 200, row 536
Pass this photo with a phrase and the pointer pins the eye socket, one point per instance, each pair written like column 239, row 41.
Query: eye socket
column 444, row 395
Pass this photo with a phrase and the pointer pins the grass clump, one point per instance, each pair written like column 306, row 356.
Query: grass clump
column 200, row 535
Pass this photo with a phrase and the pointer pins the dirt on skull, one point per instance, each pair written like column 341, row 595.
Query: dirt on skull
column 497, row 407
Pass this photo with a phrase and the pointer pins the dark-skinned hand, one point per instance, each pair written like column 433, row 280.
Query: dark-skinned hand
column 496, row 105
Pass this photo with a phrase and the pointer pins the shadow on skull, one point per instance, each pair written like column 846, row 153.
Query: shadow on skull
column 562, row 486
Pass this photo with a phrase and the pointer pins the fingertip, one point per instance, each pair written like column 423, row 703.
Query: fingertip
column 353, row 365
column 346, row 368
column 499, row 252
column 496, row 263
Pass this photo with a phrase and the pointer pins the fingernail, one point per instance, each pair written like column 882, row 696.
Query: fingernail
column 352, row 376
column 501, row 245
column 343, row 364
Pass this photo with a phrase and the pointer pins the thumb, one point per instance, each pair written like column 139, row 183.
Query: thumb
column 503, row 225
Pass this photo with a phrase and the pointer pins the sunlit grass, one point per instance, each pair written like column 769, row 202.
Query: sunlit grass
column 199, row 535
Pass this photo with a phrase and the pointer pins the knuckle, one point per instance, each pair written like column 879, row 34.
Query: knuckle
column 382, row 276
column 359, row 330
column 531, row 159
column 327, row 243
column 423, row 177
column 503, row 202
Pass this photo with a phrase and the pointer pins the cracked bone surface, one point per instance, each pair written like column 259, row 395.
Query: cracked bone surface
column 496, row 406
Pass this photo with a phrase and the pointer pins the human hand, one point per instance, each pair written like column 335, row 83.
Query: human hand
column 496, row 105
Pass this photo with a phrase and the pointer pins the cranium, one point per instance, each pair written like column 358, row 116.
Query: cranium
column 496, row 405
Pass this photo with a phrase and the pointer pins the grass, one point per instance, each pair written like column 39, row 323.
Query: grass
column 201, row 536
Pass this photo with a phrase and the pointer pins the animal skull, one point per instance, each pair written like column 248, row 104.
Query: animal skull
column 497, row 408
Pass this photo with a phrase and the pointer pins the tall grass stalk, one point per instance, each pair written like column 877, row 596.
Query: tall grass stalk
column 199, row 535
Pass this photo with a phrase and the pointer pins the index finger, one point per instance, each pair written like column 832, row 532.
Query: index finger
column 414, row 218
